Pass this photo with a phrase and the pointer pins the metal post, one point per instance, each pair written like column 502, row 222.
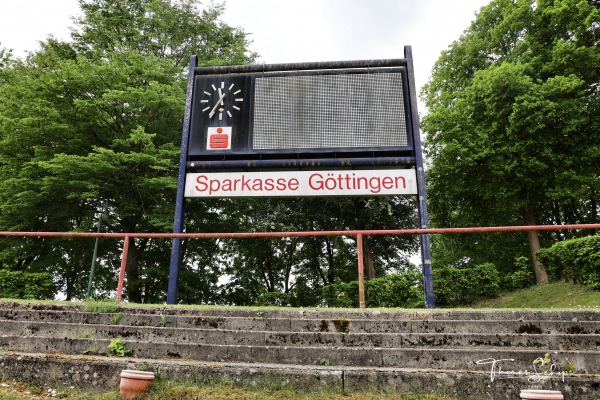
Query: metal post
column 180, row 199
column 422, row 203
column 122, row 270
column 361, row 272
column 89, row 288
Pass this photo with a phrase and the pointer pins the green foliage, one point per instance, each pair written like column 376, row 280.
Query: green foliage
column 575, row 260
column 118, row 347
column 293, row 271
column 26, row 285
column 512, row 127
column 553, row 295
column 274, row 299
column 163, row 321
column 95, row 124
column 101, row 306
column 166, row 29
column 116, row 318
column 394, row 290
column 462, row 286
column 325, row 361
column 342, row 295
column 452, row 287
column 521, row 278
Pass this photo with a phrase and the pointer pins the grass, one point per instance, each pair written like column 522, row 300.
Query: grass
column 559, row 295
column 169, row 390
column 101, row 306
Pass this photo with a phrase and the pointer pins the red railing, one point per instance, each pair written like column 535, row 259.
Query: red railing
column 356, row 233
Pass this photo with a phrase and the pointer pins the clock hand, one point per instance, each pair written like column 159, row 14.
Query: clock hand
column 212, row 112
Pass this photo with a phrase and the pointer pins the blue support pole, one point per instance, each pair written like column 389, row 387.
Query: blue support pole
column 178, row 225
column 423, row 215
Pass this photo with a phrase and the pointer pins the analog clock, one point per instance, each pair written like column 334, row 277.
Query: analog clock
column 222, row 100
column 220, row 114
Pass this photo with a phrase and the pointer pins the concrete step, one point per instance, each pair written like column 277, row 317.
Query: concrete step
column 306, row 339
column 435, row 314
column 99, row 373
column 447, row 351
column 585, row 325
column 586, row 362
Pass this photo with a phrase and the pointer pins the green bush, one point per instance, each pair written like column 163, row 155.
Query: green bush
column 452, row 287
column 394, row 290
column 26, row 285
column 522, row 277
column 279, row 299
column 462, row 286
column 341, row 294
column 575, row 260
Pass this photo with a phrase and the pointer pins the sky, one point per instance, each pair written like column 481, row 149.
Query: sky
column 287, row 31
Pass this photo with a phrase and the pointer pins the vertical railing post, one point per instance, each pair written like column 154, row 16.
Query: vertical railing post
column 178, row 224
column 122, row 270
column 361, row 271
column 422, row 203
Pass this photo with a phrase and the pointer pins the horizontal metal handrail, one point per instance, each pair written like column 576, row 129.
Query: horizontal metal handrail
column 356, row 233
column 215, row 235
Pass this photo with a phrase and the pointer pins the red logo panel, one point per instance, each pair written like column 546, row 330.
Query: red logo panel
column 218, row 138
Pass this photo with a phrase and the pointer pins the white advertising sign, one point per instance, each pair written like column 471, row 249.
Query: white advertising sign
column 302, row 183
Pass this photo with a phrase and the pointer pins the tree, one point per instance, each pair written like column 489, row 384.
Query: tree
column 95, row 125
column 512, row 124
column 298, row 268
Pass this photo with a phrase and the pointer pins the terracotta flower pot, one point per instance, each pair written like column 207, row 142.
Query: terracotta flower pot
column 541, row 394
column 134, row 383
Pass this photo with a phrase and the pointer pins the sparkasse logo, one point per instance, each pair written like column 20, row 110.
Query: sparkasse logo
column 218, row 138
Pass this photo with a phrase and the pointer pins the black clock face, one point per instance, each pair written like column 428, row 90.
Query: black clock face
column 220, row 114
column 222, row 100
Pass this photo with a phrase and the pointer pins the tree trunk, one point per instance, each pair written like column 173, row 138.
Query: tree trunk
column 315, row 265
column 134, row 288
column 134, row 294
column 541, row 276
column 69, row 289
column 368, row 259
column 330, row 261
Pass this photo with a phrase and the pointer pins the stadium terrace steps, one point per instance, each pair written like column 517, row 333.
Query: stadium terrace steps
column 464, row 354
